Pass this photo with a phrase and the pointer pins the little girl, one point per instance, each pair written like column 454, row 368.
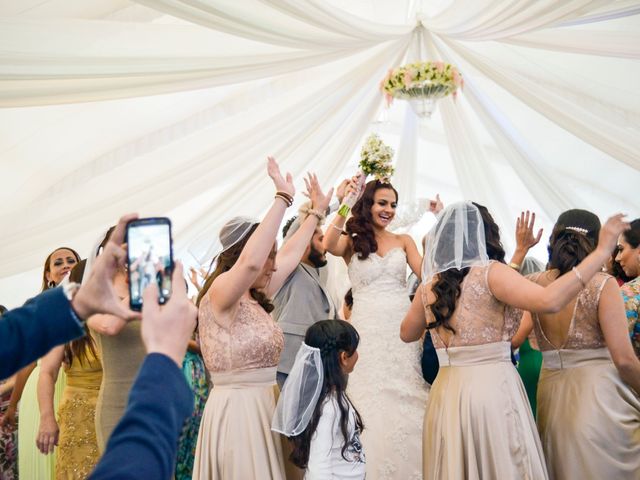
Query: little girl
column 314, row 411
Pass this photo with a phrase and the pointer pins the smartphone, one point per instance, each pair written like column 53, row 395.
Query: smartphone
column 149, row 258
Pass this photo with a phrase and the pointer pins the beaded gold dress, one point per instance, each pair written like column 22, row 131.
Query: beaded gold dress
column 588, row 418
column 478, row 423
column 235, row 440
column 77, row 452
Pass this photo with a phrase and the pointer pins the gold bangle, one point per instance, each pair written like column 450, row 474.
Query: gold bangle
column 579, row 277
column 515, row 266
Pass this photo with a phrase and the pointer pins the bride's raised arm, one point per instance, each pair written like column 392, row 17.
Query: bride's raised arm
column 414, row 259
column 336, row 241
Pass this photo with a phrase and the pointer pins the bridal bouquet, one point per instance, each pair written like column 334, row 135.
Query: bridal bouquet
column 421, row 79
column 375, row 159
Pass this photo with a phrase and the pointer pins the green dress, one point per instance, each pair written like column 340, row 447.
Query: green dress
column 195, row 373
column 529, row 369
column 33, row 465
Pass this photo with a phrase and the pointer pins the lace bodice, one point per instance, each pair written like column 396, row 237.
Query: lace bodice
column 379, row 273
column 386, row 386
column 479, row 317
column 584, row 329
column 254, row 339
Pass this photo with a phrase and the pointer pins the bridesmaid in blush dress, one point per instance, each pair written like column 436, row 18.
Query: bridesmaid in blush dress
column 478, row 423
column 588, row 411
column 241, row 343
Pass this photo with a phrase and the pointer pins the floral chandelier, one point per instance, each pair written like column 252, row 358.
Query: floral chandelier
column 422, row 84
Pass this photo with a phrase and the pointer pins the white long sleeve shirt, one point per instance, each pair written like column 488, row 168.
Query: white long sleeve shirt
column 325, row 455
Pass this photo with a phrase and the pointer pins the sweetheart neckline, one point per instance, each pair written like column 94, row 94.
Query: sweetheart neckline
column 388, row 252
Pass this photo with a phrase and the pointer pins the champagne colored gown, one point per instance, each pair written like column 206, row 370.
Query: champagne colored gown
column 588, row 418
column 235, row 440
column 478, row 422
column 122, row 355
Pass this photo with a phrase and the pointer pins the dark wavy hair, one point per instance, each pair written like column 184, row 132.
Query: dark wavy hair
column 448, row 286
column 568, row 247
column 331, row 337
column 616, row 269
column 360, row 226
column 79, row 347
column 226, row 260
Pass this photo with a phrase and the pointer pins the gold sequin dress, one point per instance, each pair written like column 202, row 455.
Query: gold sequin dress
column 588, row 418
column 235, row 440
column 77, row 451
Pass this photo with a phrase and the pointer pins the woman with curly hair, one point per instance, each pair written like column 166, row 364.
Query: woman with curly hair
column 387, row 388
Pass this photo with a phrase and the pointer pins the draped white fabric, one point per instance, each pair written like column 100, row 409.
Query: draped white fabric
column 170, row 106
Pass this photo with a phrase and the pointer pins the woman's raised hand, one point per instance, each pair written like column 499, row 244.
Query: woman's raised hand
column 319, row 201
column 282, row 184
column 525, row 238
column 610, row 232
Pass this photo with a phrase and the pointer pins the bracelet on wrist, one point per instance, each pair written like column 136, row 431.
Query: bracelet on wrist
column 312, row 211
column 342, row 232
column 344, row 210
column 285, row 195
column 286, row 199
column 515, row 266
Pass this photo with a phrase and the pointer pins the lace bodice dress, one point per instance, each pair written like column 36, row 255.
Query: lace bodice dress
column 588, row 418
column 584, row 329
column 386, row 386
column 253, row 340
column 242, row 359
column 479, row 318
column 478, row 423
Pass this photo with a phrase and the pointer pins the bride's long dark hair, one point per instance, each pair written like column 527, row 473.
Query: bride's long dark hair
column 331, row 337
column 448, row 286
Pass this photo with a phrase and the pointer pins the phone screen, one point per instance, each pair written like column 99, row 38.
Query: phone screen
column 149, row 258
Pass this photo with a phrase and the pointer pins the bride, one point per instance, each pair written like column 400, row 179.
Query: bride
column 386, row 387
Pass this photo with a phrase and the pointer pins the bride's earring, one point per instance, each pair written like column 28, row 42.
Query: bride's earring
column 51, row 284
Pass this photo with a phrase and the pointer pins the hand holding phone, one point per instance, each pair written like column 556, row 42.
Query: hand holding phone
column 149, row 258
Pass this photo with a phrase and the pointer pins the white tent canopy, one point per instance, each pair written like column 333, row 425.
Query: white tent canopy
column 169, row 107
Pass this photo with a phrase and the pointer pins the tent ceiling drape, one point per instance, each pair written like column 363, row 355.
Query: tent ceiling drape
column 170, row 106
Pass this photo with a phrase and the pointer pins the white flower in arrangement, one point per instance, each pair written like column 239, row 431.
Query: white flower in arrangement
column 375, row 158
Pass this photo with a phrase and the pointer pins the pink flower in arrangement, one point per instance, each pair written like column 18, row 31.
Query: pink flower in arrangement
column 386, row 78
column 439, row 66
column 388, row 98
column 457, row 79
column 408, row 78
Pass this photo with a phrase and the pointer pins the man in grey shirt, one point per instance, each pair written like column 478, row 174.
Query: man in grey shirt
column 302, row 300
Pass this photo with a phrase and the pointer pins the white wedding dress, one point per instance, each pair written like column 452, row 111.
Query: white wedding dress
column 386, row 385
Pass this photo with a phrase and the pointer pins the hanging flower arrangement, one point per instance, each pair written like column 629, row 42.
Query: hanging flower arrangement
column 431, row 80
